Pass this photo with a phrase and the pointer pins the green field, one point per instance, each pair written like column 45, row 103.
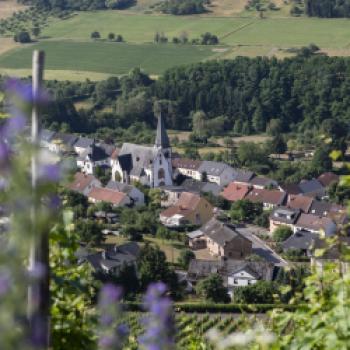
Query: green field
column 70, row 52
column 111, row 58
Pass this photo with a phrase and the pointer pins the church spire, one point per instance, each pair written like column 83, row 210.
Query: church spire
column 162, row 139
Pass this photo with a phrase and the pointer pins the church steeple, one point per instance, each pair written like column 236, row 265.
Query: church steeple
column 162, row 139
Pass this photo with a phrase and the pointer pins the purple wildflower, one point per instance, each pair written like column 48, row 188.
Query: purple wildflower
column 110, row 294
column 54, row 202
column 5, row 153
column 5, row 282
column 50, row 173
column 38, row 271
column 15, row 124
column 159, row 324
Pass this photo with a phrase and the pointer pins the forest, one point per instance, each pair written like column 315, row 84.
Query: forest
column 327, row 8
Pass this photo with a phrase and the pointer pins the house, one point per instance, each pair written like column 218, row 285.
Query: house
column 83, row 144
column 170, row 195
column 112, row 260
column 116, row 198
column 260, row 182
column 84, row 183
column 269, row 198
column 312, row 188
column 302, row 203
column 137, row 197
column 235, row 273
column 187, row 167
column 217, row 172
column 326, row 179
column 283, row 216
column 224, row 241
column 243, row 177
column 195, row 186
column 235, row 191
column 290, row 189
column 62, row 143
column 46, row 137
column 303, row 241
column 150, row 166
column 94, row 156
column 316, row 224
column 190, row 208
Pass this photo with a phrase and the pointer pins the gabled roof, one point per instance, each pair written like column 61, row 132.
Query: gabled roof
column 290, row 188
column 300, row 202
column 261, row 270
column 235, row 191
column 46, row 135
column 203, row 268
column 212, row 168
column 186, row 163
column 327, row 178
column 107, row 195
column 162, row 139
column 66, row 139
column 84, row 142
column 311, row 186
column 244, row 176
column 191, row 185
column 285, row 215
column 321, row 208
column 273, row 197
column 313, row 222
column 95, row 153
column 119, row 186
column 81, row 182
column 300, row 240
column 108, row 149
column 262, row 181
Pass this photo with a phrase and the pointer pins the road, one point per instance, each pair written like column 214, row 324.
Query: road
column 260, row 247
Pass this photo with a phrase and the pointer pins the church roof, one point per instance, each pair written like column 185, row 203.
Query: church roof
column 162, row 139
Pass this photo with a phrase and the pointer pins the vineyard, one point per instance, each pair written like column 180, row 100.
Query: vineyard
column 189, row 327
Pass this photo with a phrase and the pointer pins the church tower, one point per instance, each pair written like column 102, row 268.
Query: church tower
column 162, row 162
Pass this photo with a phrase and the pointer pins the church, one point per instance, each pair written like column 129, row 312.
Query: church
column 149, row 165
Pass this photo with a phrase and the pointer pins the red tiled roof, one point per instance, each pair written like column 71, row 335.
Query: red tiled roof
column 235, row 191
column 299, row 202
column 313, row 222
column 274, row 197
column 107, row 195
column 327, row 178
column 186, row 163
column 81, row 181
column 175, row 210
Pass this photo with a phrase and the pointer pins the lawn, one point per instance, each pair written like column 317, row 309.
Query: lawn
column 111, row 58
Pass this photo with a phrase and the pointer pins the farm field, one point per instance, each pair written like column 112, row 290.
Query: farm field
column 110, row 58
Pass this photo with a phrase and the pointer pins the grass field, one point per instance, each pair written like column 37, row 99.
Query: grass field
column 111, row 58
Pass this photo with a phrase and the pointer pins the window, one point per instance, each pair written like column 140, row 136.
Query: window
column 161, row 173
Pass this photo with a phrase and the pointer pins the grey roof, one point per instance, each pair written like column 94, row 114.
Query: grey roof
column 162, row 139
column 191, row 185
column 220, row 232
column 109, row 149
column 212, row 168
column 46, row 135
column 67, row 139
column 84, row 142
column 202, row 268
column 137, row 158
column 119, row 186
column 311, row 186
column 194, row 234
column 285, row 215
column 242, row 175
column 291, row 188
column 261, row 270
column 115, row 256
column 321, row 208
column 262, row 181
column 95, row 153
column 303, row 240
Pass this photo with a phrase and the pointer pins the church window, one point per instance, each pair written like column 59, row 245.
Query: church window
column 166, row 154
column 160, row 161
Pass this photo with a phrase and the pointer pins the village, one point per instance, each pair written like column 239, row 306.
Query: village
column 224, row 239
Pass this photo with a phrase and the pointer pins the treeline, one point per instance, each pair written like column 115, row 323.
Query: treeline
column 78, row 5
column 327, row 8
column 183, row 7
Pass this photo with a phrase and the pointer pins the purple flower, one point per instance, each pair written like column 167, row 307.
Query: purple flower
column 159, row 325
column 54, row 202
column 5, row 282
column 38, row 271
column 15, row 124
column 123, row 330
column 110, row 294
column 5, row 153
column 50, row 173
column 107, row 341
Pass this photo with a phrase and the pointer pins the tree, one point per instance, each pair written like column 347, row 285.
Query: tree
column 119, row 38
column 278, row 145
column 89, row 231
column 245, row 210
column 95, row 35
column 281, row 233
column 274, row 127
column 22, row 37
column 36, row 31
column 212, row 289
column 185, row 257
column 153, row 267
column 321, row 160
column 111, row 36
column 262, row 292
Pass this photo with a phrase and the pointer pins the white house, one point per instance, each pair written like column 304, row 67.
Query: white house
column 217, row 172
column 83, row 144
column 92, row 157
column 150, row 166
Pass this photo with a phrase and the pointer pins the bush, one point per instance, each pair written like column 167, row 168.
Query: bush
column 281, row 233
column 22, row 37
column 259, row 293
column 95, row 35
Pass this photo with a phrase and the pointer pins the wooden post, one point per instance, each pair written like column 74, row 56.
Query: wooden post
column 38, row 291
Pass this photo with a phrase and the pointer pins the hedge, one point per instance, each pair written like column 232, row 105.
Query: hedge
column 217, row 308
